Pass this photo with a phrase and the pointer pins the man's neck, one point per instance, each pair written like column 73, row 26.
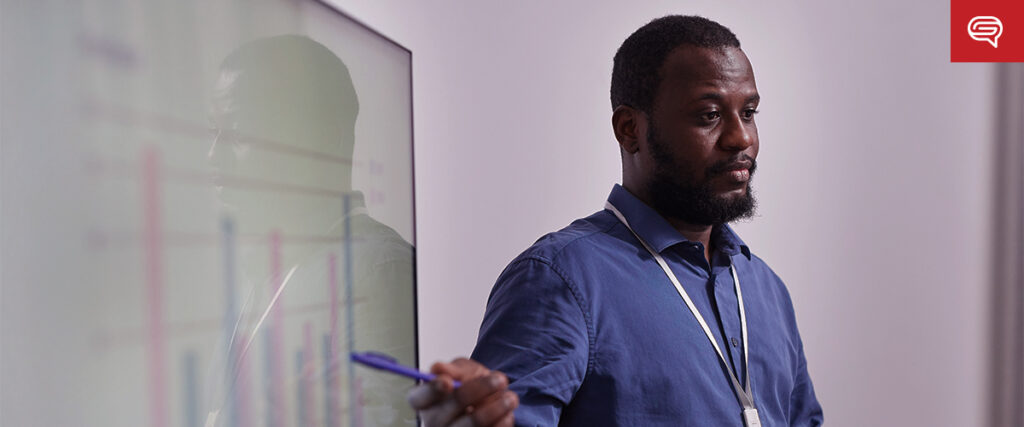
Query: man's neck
column 693, row 233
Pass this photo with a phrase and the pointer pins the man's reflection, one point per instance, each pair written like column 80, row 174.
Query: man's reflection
column 317, row 277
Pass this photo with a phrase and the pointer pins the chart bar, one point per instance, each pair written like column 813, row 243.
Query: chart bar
column 277, row 405
column 190, row 372
column 346, row 205
column 301, row 397
column 152, row 241
column 332, row 370
column 306, row 406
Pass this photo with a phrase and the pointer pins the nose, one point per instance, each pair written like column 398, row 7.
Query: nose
column 738, row 135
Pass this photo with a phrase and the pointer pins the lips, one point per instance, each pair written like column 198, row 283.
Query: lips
column 737, row 171
column 739, row 175
column 735, row 166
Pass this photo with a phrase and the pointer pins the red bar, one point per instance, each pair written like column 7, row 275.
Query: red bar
column 307, row 373
column 334, row 368
column 152, row 241
column 277, row 382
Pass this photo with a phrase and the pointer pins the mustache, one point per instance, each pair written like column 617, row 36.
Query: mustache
column 740, row 161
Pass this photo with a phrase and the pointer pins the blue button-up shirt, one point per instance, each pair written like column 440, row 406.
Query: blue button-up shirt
column 591, row 332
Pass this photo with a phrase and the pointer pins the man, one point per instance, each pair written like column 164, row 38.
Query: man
column 284, row 110
column 653, row 312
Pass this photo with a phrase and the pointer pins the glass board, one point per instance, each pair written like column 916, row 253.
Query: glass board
column 206, row 206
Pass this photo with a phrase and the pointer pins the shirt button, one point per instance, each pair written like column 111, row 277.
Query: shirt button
column 735, row 342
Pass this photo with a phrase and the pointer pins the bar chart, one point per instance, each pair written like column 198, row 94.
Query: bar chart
column 226, row 215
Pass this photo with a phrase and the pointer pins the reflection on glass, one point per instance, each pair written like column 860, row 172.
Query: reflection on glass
column 285, row 109
column 205, row 217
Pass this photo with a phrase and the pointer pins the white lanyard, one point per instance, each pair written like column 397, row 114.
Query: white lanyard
column 743, row 393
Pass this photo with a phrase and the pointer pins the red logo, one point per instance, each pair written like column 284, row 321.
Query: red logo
column 986, row 31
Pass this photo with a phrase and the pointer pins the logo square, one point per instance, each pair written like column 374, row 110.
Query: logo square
column 986, row 31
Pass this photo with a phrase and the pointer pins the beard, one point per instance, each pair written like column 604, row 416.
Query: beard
column 694, row 202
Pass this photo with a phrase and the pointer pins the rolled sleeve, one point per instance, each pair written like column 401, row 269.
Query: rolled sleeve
column 535, row 331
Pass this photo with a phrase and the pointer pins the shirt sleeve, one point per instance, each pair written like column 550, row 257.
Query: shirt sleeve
column 535, row 331
column 804, row 407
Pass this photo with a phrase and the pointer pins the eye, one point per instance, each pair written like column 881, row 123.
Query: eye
column 749, row 113
column 711, row 116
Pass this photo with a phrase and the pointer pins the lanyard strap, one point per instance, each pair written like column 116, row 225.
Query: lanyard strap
column 743, row 393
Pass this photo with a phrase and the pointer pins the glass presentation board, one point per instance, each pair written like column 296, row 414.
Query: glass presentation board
column 206, row 206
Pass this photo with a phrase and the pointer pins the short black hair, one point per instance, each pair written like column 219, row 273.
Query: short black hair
column 291, row 76
column 635, row 73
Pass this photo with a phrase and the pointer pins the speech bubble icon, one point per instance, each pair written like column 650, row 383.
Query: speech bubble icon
column 985, row 29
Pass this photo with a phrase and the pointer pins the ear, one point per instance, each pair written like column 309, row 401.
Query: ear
column 628, row 123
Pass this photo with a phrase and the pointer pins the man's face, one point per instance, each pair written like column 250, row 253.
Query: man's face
column 260, row 134
column 701, row 136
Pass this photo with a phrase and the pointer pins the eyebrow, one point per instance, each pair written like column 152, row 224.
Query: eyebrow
column 718, row 97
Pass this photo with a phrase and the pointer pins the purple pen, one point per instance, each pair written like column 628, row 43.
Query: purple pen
column 384, row 362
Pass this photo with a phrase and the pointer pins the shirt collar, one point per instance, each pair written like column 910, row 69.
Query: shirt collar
column 658, row 233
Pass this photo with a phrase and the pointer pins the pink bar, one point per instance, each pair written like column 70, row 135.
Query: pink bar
column 307, row 373
column 334, row 369
column 359, row 403
column 154, row 287
column 332, row 279
column 242, row 385
column 277, row 382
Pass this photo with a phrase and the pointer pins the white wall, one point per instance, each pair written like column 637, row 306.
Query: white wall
column 874, row 176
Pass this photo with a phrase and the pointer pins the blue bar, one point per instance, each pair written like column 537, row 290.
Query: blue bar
column 301, row 391
column 349, row 311
column 230, row 317
column 191, row 389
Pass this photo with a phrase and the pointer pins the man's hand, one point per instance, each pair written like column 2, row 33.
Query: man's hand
column 482, row 400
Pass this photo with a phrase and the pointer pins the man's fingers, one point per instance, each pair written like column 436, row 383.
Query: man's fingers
column 425, row 395
column 495, row 409
column 475, row 392
column 440, row 405
column 507, row 421
column 461, row 369
column 439, row 368
column 444, row 413
column 496, row 412
column 421, row 397
column 478, row 390
column 483, row 398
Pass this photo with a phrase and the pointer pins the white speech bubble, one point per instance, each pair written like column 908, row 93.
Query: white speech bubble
column 985, row 29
